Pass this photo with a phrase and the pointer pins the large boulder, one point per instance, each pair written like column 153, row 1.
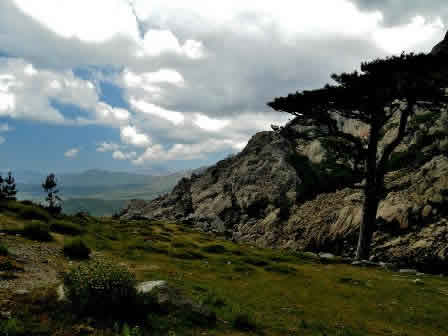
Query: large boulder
column 249, row 186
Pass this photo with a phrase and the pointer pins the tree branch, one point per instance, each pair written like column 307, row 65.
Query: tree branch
column 388, row 150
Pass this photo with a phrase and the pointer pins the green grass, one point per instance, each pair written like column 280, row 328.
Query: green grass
column 66, row 227
column 3, row 250
column 279, row 292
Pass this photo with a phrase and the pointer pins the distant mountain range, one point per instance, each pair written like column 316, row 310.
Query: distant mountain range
column 99, row 192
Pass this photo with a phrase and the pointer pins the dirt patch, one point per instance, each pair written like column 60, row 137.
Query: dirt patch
column 39, row 265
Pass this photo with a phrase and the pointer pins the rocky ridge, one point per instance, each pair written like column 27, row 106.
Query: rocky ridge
column 263, row 196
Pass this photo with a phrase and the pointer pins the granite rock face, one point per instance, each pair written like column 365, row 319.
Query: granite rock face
column 256, row 184
column 441, row 48
column 257, row 196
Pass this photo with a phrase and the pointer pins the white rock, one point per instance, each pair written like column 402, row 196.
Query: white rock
column 148, row 286
column 327, row 256
column 60, row 291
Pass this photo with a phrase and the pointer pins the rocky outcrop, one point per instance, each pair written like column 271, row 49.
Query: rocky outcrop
column 441, row 48
column 258, row 196
column 412, row 223
column 255, row 184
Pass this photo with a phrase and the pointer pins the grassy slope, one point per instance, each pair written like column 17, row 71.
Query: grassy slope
column 93, row 206
column 286, row 294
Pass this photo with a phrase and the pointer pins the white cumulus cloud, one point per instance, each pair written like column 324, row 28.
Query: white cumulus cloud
column 107, row 147
column 119, row 155
column 72, row 153
column 130, row 135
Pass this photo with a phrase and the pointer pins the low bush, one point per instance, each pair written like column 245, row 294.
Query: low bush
column 255, row 261
column 3, row 250
column 66, row 228
column 38, row 231
column 214, row 249
column 243, row 322
column 6, row 265
column 101, row 288
column 187, row 254
column 280, row 269
column 76, row 249
column 12, row 327
column 34, row 212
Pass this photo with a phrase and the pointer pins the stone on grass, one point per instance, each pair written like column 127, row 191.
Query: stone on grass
column 21, row 292
column 418, row 281
column 148, row 286
column 60, row 291
column 407, row 271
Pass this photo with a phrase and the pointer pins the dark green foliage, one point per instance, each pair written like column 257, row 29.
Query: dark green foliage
column 68, row 228
column 409, row 159
column 3, row 250
column 255, row 261
column 327, row 176
column 12, row 327
column 101, row 288
column 280, row 269
column 53, row 199
column 371, row 97
column 244, row 322
column 38, row 231
column 8, row 189
column 218, row 249
column 6, row 265
column 33, row 213
column 77, row 249
column 187, row 254
column 213, row 300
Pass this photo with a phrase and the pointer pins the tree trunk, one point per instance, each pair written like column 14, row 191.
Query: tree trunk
column 368, row 224
column 371, row 198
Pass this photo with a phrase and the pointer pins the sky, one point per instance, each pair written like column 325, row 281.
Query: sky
column 154, row 86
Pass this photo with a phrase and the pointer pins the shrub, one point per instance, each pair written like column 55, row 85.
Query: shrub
column 67, row 228
column 6, row 265
column 12, row 327
column 255, row 261
column 101, row 288
column 3, row 250
column 280, row 269
column 37, row 231
column 243, row 322
column 76, row 249
column 214, row 249
column 34, row 212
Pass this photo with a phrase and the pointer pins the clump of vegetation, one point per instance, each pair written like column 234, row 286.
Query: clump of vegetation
column 101, row 288
column 187, row 254
column 53, row 199
column 66, row 228
column 38, row 231
column 6, row 265
column 77, row 249
column 213, row 300
column 280, row 269
column 255, row 261
column 12, row 327
column 244, row 322
column 33, row 212
column 8, row 189
column 3, row 250
column 218, row 249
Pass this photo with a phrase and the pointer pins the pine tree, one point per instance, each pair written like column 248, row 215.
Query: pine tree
column 9, row 190
column 53, row 199
column 384, row 88
column 2, row 195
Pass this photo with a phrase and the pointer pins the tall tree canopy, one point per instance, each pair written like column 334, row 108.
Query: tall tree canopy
column 382, row 89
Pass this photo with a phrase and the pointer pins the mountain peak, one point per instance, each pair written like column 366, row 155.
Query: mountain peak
column 441, row 48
